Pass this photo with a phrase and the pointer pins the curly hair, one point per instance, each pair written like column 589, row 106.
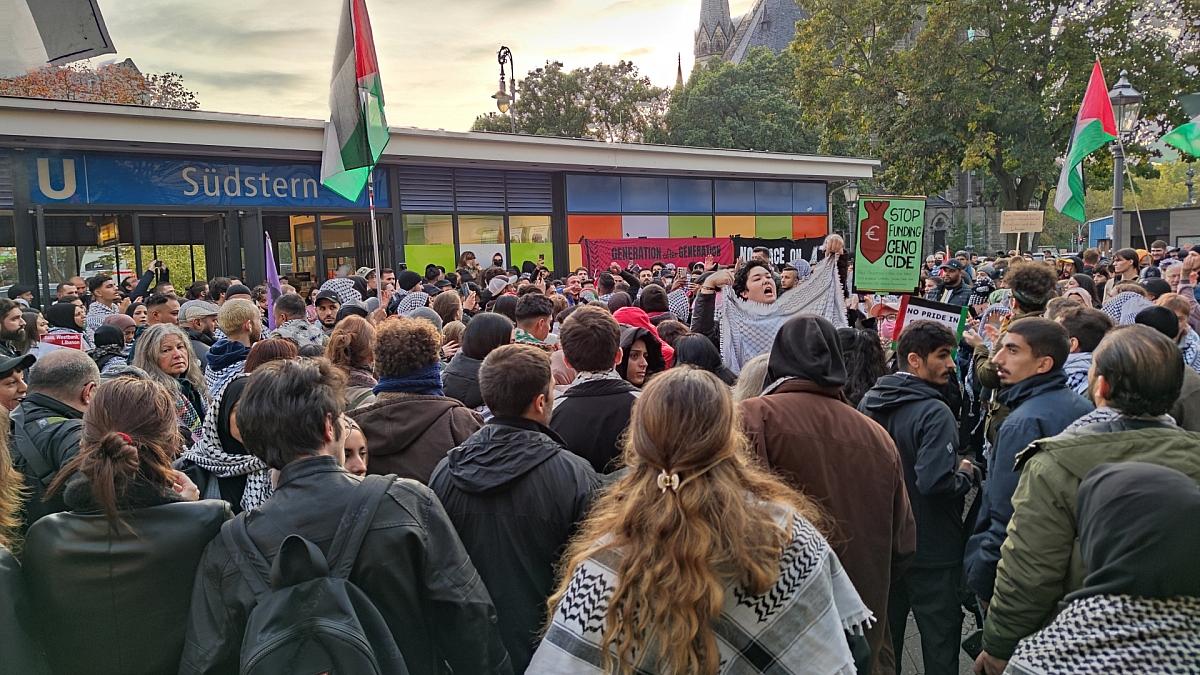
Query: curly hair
column 1032, row 285
column 742, row 275
column 404, row 345
column 865, row 362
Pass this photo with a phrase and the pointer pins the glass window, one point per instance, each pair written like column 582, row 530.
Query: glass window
column 428, row 240
column 304, row 245
column 772, row 197
column 640, row 194
column 337, row 242
column 809, row 198
column 530, row 239
column 593, row 194
column 8, row 252
column 480, row 230
column 691, row 195
column 735, row 196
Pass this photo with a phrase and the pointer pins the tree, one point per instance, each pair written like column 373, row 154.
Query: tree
column 934, row 88
column 605, row 102
column 109, row 83
column 744, row 106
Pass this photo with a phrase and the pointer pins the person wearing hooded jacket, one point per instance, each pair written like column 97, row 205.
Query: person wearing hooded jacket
column 486, row 332
column 641, row 356
column 802, row 428
column 911, row 405
column 515, row 494
column 637, row 318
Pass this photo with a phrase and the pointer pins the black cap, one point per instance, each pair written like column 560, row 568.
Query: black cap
column 17, row 290
column 1160, row 319
column 238, row 289
column 952, row 264
column 407, row 279
column 10, row 363
column 328, row 295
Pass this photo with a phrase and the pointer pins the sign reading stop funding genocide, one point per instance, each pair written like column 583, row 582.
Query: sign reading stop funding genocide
column 919, row 309
column 888, row 255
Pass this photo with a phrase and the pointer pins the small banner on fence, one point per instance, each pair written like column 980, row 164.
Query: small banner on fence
column 598, row 254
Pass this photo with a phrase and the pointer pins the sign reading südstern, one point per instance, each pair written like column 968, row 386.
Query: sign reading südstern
column 888, row 255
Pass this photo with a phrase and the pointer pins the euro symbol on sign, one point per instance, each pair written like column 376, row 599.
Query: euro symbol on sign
column 870, row 233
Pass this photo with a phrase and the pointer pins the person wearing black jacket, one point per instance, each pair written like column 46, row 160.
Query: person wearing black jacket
column 910, row 405
column 952, row 288
column 515, row 494
column 593, row 413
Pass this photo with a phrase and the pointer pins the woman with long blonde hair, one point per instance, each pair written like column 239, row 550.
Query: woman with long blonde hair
column 698, row 561
column 165, row 353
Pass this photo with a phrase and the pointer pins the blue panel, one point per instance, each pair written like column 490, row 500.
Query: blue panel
column 735, row 196
column 691, row 195
column 640, row 195
column 101, row 178
column 772, row 197
column 809, row 198
column 593, row 194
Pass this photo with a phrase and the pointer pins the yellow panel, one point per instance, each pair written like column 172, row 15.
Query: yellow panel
column 732, row 226
column 576, row 256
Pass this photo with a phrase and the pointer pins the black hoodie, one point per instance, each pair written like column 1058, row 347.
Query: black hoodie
column 926, row 434
column 515, row 496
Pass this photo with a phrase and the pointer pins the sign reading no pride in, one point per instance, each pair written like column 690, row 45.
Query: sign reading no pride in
column 888, row 255
column 918, row 309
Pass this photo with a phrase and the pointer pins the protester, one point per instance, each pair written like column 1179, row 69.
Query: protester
column 356, row 448
column 1186, row 410
column 1136, row 607
column 412, row 424
column 12, row 326
column 534, row 312
column 351, row 349
column 449, row 306
column 744, row 551
column 1086, row 282
column 802, row 429
column 699, row 351
column 162, row 308
column 486, row 332
column 1125, row 269
column 291, row 323
column 136, row 311
column 912, row 407
column 328, row 303
column 241, row 322
column 166, row 357
column 592, row 414
column 67, row 319
column 31, row 341
column 515, row 494
column 670, row 331
column 110, row 350
column 106, row 299
column 198, row 318
column 642, row 356
column 953, row 287
column 12, row 380
column 750, row 381
column 110, row 578
column 1085, row 327
column 126, row 324
column 410, row 564
column 1187, row 339
column 862, row 352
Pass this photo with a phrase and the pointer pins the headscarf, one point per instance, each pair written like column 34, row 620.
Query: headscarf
column 119, row 320
column 806, row 347
column 344, row 287
column 637, row 317
column 62, row 315
column 1137, row 531
column 1086, row 282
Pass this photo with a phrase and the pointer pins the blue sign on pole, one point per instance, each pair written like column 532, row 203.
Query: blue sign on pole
column 103, row 178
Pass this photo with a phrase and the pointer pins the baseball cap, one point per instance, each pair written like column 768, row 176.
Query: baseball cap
column 952, row 264
column 891, row 302
column 196, row 309
column 328, row 295
column 10, row 363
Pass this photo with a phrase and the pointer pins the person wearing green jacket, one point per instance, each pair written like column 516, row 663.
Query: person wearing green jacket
column 1136, row 378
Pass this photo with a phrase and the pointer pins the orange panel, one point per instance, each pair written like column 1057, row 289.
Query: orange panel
column 576, row 252
column 593, row 227
column 805, row 227
column 734, row 226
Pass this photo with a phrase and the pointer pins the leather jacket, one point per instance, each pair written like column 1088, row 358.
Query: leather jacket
column 411, row 564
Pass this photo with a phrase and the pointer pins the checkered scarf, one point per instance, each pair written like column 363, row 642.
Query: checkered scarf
column 344, row 287
column 208, row 454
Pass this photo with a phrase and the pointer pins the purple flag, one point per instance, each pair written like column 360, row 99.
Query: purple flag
column 274, row 288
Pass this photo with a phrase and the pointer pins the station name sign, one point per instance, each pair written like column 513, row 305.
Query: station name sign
column 133, row 180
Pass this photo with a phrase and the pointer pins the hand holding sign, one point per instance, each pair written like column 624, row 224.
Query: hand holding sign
column 835, row 245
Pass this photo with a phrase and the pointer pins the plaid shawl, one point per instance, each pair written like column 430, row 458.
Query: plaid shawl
column 798, row 626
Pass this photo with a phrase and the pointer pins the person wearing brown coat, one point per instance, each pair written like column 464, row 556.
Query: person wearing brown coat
column 412, row 424
column 803, row 429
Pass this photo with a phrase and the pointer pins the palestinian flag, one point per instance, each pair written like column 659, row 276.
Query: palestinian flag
column 1094, row 128
column 1186, row 138
column 356, row 132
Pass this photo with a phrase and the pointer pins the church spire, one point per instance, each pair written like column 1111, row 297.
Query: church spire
column 679, row 71
column 715, row 30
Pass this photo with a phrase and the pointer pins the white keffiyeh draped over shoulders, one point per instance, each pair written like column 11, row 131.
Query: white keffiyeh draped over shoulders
column 748, row 328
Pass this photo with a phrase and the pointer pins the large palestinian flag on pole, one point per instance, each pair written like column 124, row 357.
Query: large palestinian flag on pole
column 1094, row 128
column 356, row 132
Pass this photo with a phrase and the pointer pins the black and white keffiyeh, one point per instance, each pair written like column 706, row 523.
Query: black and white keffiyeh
column 208, row 454
column 344, row 287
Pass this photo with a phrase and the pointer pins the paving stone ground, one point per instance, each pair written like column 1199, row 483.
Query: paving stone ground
column 910, row 660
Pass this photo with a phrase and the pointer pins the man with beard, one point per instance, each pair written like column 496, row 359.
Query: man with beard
column 198, row 319
column 328, row 305
column 12, row 326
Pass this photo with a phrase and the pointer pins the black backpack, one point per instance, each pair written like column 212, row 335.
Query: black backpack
column 310, row 619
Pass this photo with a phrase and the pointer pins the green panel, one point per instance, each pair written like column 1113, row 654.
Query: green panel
column 691, row 226
column 418, row 256
column 522, row 252
column 773, row 227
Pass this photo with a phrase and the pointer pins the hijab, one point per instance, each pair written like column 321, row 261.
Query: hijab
column 1087, row 283
column 807, row 348
column 62, row 315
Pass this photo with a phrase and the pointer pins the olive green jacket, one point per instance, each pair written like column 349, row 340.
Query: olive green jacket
column 1040, row 560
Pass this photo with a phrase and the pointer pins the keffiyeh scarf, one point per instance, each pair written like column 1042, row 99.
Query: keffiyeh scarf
column 208, row 454
column 344, row 287
column 748, row 328
column 1125, row 307
column 1190, row 348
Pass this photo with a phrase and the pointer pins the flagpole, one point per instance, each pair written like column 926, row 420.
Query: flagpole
column 374, row 233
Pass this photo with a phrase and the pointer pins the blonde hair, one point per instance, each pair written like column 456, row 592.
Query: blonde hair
column 750, row 380
column 235, row 313
column 680, row 548
column 12, row 487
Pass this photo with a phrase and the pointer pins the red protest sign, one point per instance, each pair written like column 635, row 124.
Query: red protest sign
column 600, row 253
column 68, row 340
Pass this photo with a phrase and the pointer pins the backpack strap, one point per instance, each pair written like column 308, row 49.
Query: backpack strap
column 356, row 520
column 255, row 569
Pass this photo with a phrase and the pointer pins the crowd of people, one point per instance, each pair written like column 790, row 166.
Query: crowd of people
column 670, row 469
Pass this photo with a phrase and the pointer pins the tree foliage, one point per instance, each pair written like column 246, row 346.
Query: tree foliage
column 109, row 83
column 903, row 82
column 606, row 102
column 744, row 106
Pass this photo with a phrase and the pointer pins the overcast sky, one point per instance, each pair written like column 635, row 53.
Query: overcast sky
column 438, row 58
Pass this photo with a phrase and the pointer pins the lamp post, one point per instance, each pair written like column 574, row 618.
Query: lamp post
column 1126, row 102
column 1190, row 173
column 505, row 102
column 970, row 202
column 850, row 193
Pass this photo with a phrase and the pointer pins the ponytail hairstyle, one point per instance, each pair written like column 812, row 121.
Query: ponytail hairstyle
column 352, row 344
column 12, row 487
column 129, row 433
column 692, row 516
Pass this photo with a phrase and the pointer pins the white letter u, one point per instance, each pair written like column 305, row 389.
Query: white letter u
column 68, row 188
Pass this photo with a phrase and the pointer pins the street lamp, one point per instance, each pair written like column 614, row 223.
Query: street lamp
column 505, row 102
column 1126, row 103
column 1190, row 173
column 850, row 193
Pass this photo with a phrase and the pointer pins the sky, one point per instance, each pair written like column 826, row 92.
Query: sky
column 438, row 59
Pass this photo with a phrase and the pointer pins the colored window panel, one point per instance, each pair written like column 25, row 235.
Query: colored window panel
column 690, row 195
column 593, row 227
column 643, row 194
column 772, row 197
column 809, row 198
column 773, row 227
column 596, row 194
column 691, row 226
column 426, row 230
column 530, row 252
column 735, row 226
column 529, row 230
column 575, row 253
column 480, row 230
column 418, row 256
column 734, row 196
column 645, row 226
column 804, row 227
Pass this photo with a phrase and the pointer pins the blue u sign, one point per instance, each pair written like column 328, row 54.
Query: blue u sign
column 114, row 179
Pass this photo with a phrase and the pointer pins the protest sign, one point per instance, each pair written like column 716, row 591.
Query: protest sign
column 918, row 309
column 1016, row 222
column 888, row 254
column 781, row 251
column 600, row 253
column 68, row 340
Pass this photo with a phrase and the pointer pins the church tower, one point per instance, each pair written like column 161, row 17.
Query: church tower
column 715, row 31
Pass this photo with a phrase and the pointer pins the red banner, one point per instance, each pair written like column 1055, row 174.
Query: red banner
column 67, row 340
column 598, row 254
